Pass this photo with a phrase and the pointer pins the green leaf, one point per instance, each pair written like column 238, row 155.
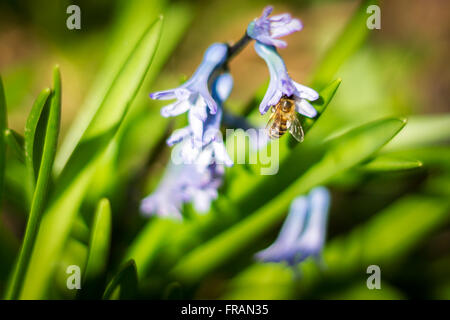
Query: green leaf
column 100, row 241
column 3, row 126
column 35, row 129
column 344, row 152
column 74, row 181
column 385, row 239
column 325, row 97
column 424, row 130
column 351, row 38
column 130, row 149
column 430, row 156
column 99, row 245
column 359, row 291
column 148, row 243
column 16, row 142
column 265, row 281
column 9, row 247
column 42, row 186
column 389, row 163
column 124, row 284
column 132, row 23
column 382, row 240
column 133, row 146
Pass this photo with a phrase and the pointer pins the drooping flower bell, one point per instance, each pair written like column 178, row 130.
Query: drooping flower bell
column 267, row 30
column 303, row 232
column 281, row 84
column 194, row 93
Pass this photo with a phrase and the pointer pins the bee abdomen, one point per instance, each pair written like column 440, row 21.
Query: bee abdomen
column 277, row 131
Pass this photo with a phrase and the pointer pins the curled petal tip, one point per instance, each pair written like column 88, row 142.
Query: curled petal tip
column 267, row 29
column 267, row 11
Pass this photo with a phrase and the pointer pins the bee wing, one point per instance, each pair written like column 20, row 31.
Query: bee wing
column 272, row 127
column 295, row 128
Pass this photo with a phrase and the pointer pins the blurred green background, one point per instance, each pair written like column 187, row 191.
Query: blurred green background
column 397, row 219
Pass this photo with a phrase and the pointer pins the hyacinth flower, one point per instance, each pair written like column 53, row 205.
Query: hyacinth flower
column 281, row 84
column 201, row 141
column 194, row 94
column 267, row 30
column 303, row 232
column 188, row 182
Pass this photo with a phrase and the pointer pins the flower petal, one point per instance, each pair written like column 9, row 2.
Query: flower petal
column 179, row 93
column 312, row 239
column 205, row 159
column 196, row 124
column 189, row 151
column 178, row 135
column 266, row 12
column 270, row 41
column 202, row 201
column 282, row 28
column 306, row 92
column 305, row 108
column 176, row 108
column 163, row 95
column 265, row 29
column 220, row 154
column 222, row 87
column 294, row 223
column 210, row 102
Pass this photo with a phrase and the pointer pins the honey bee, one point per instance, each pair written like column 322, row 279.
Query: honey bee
column 283, row 118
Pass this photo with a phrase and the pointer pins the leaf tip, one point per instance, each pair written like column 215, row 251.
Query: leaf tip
column 104, row 202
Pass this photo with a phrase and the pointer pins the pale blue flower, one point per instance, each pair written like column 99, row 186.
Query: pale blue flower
column 194, row 93
column 192, row 181
column 304, row 230
column 282, row 85
column 202, row 139
column 266, row 30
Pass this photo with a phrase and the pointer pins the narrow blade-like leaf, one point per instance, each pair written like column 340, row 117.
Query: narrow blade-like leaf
column 351, row 38
column 16, row 143
column 40, row 194
column 99, row 244
column 345, row 152
column 390, row 163
column 132, row 23
column 34, row 136
column 75, row 179
column 3, row 126
column 124, row 284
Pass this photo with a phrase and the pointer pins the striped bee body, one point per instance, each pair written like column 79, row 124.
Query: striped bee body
column 277, row 130
column 284, row 118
